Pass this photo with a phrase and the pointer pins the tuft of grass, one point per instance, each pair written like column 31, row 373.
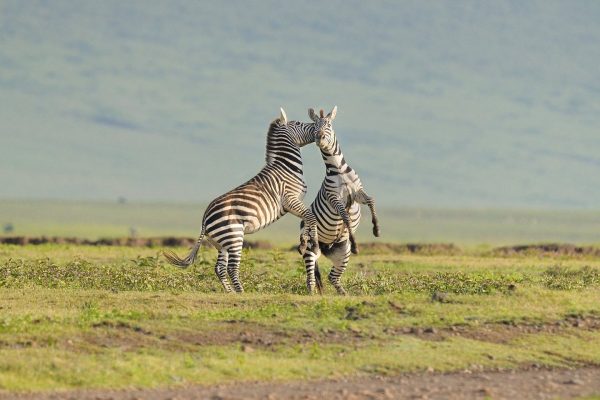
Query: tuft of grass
column 564, row 278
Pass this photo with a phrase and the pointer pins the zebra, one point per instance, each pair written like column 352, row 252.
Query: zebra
column 277, row 189
column 336, row 208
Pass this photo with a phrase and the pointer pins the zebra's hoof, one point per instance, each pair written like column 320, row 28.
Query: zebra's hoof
column 341, row 291
column 376, row 231
column 354, row 250
column 302, row 248
column 315, row 248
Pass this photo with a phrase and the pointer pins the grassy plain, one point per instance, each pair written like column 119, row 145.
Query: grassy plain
column 82, row 317
column 466, row 227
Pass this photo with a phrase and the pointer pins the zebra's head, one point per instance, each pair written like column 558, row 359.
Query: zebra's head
column 324, row 133
column 300, row 133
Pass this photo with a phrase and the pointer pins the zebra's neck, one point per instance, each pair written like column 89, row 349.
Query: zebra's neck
column 284, row 142
column 335, row 164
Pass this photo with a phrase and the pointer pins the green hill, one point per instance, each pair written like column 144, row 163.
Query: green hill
column 445, row 104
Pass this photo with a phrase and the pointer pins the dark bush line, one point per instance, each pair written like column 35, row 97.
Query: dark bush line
column 559, row 249
column 169, row 241
column 553, row 249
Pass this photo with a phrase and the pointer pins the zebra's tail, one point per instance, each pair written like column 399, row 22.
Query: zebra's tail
column 318, row 278
column 174, row 259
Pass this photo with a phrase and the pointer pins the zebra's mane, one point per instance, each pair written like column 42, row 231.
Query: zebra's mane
column 281, row 140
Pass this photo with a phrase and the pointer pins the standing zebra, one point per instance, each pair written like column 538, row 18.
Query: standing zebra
column 277, row 189
column 336, row 208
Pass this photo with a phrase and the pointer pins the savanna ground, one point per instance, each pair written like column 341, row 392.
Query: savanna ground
column 442, row 323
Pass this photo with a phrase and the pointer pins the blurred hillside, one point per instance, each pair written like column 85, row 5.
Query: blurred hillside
column 446, row 104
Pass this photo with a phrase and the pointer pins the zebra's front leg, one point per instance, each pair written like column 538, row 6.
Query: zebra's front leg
column 339, row 257
column 310, row 261
column 221, row 269
column 363, row 198
column 297, row 208
column 336, row 202
column 233, row 267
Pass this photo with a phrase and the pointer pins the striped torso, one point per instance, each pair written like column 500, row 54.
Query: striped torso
column 344, row 181
column 258, row 202
column 254, row 204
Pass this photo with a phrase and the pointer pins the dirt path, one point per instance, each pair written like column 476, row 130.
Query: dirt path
column 531, row 384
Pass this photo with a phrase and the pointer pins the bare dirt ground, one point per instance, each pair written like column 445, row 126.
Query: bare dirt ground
column 529, row 384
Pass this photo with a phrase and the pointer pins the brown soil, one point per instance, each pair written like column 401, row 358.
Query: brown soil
column 527, row 384
column 504, row 333
column 125, row 336
column 248, row 335
column 129, row 337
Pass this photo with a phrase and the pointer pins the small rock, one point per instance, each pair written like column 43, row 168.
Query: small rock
column 440, row 297
column 430, row 369
column 247, row 349
column 396, row 306
column 573, row 381
column 386, row 393
column 430, row 330
column 354, row 329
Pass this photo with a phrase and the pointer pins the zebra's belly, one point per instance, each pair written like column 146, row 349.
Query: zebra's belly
column 335, row 231
column 256, row 224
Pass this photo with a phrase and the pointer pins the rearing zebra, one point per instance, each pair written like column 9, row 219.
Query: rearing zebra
column 277, row 189
column 336, row 208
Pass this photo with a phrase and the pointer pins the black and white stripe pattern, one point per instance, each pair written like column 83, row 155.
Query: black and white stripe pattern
column 336, row 207
column 277, row 189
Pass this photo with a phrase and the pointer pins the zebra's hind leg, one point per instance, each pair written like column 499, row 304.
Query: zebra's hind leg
column 310, row 261
column 233, row 266
column 339, row 256
column 221, row 269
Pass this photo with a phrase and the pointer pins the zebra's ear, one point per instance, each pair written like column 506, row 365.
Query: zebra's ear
column 331, row 115
column 282, row 117
column 312, row 115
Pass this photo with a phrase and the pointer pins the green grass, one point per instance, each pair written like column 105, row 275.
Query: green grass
column 83, row 317
column 464, row 227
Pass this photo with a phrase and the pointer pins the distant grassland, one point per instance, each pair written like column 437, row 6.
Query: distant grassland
column 464, row 227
